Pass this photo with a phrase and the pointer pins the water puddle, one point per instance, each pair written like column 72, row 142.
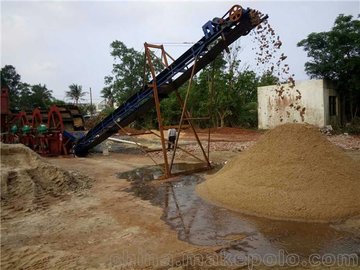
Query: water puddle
column 237, row 235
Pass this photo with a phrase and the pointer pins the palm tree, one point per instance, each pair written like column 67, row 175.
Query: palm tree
column 108, row 94
column 76, row 93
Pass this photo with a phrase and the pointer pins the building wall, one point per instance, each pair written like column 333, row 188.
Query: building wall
column 329, row 91
column 103, row 105
column 274, row 110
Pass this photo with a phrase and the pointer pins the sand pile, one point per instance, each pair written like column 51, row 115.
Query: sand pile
column 28, row 182
column 293, row 173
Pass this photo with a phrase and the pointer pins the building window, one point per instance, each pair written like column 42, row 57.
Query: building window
column 332, row 105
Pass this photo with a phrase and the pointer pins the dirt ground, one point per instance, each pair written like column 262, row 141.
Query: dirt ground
column 106, row 227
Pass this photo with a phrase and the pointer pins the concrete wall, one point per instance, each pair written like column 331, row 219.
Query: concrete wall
column 329, row 91
column 274, row 110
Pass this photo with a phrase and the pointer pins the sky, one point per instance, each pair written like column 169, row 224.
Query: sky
column 59, row 43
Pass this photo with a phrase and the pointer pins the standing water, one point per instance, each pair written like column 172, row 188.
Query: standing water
column 236, row 235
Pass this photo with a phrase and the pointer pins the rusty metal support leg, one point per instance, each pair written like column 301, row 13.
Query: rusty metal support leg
column 158, row 111
column 208, row 146
column 183, row 113
column 211, row 106
column 188, row 118
column 187, row 152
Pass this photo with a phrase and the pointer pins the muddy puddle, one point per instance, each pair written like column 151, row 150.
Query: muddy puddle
column 238, row 236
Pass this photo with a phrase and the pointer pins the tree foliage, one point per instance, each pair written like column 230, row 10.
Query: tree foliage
column 75, row 93
column 128, row 73
column 24, row 96
column 41, row 96
column 87, row 109
column 11, row 79
column 268, row 78
column 223, row 90
column 107, row 93
column 335, row 55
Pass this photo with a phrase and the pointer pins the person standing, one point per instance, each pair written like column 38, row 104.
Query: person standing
column 171, row 138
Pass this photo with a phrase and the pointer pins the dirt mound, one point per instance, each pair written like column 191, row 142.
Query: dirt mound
column 28, row 182
column 293, row 173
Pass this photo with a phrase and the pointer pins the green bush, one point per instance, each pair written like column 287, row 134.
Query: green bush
column 354, row 126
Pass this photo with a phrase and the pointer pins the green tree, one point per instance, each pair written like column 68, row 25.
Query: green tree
column 223, row 97
column 238, row 90
column 224, row 91
column 335, row 55
column 75, row 93
column 128, row 77
column 207, row 95
column 128, row 72
column 88, row 109
column 55, row 101
column 107, row 93
column 11, row 79
column 247, row 83
column 171, row 109
column 268, row 78
column 24, row 96
column 40, row 96
column 245, row 100
column 25, row 93
column 31, row 96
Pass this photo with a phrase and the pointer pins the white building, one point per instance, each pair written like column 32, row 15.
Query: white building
column 314, row 102
column 101, row 105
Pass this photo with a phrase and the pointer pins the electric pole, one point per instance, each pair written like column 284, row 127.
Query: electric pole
column 91, row 111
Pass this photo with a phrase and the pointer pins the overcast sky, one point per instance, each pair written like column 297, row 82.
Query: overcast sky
column 58, row 43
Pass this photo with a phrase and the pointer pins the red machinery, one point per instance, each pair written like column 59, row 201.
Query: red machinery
column 48, row 132
column 4, row 108
column 57, row 144
column 41, row 143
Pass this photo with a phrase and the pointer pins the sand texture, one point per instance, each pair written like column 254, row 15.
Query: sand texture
column 292, row 173
column 29, row 183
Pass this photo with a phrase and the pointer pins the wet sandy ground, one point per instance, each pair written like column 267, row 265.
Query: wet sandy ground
column 113, row 226
column 236, row 235
column 94, row 230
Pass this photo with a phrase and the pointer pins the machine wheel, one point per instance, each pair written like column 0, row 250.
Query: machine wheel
column 15, row 126
column 235, row 13
column 55, row 120
column 20, row 120
column 36, row 118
